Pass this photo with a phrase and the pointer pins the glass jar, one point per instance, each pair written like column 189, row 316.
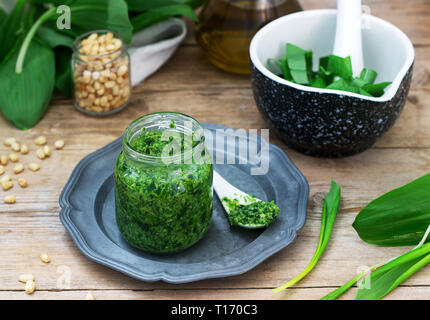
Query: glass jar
column 163, row 183
column 226, row 27
column 100, row 67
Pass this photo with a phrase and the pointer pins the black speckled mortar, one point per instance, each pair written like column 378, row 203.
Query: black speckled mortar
column 321, row 122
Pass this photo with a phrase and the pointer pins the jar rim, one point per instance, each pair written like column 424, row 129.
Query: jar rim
column 78, row 40
column 134, row 126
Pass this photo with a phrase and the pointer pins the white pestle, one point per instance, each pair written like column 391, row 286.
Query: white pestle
column 348, row 39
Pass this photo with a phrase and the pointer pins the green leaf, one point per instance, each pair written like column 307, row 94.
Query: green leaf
column 388, row 277
column 285, row 70
column 343, row 85
column 63, row 68
column 368, row 75
column 376, row 90
column 330, row 208
column 340, row 67
column 152, row 16
column 318, row 82
column 54, row 38
column 399, row 217
column 88, row 15
column 144, row 5
column 10, row 26
column 298, row 62
column 3, row 16
column 24, row 97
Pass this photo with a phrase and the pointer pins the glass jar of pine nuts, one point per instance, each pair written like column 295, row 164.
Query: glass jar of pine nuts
column 101, row 73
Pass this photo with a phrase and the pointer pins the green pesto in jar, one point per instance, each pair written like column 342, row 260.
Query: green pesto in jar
column 253, row 212
column 162, row 207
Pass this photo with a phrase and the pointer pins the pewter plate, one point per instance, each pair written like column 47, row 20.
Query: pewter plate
column 88, row 214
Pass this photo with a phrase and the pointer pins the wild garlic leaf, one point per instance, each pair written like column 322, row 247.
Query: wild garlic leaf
column 368, row 75
column 397, row 218
column 152, row 16
column 10, row 27
column 340, row 67
column 391, row 275
column 297, row 60
column 88, row 15
column 63, row 70
column 24, row 97
column 144, row 5
column 54, row 38
column 377, row 89
column 330, row 209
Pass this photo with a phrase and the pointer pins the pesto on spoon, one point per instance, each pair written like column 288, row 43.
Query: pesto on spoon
column 242, row 209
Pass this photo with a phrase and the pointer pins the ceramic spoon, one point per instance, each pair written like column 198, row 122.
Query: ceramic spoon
column 348, row 40
column 225, row 189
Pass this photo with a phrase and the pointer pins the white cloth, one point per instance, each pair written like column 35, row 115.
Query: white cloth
column 151, row 47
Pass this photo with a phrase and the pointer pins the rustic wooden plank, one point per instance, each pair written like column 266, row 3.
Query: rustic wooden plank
column 187, row 83
column 26, row 233
column 401, row 293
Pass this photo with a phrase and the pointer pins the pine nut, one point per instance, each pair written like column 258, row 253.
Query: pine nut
column 47, row 151
column 40, row 154
column 8, row 142
column 22, row 182
column 19, row 167
column 13, row 157
column 6, row 177
column 6, row 185
column 3, row 160
column 33, row 166
column 9, row 199
column 24, row 148
column 25, row 277
column 45, row 258
column 59, row 144
column 1, row 170
column 30, row 286
column 16, row 147
column 122, row 70
column 41, row 140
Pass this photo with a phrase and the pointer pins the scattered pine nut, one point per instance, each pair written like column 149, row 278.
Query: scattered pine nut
column 3, row 160
column 47, row 150
column 45, row 258
column 30, row 286
column 40, row 141
column 6, row 185
column 90, row 296
column 6, row 177
column 13, row 157
column 25, row 277
column 59, row 144
column 16, row 147
column 19, row 167
column 9, row 199
column 40, row 154
column 1, row 169
column 33, row 166
column 22, row 182
column 8, row 142
column 24, row 148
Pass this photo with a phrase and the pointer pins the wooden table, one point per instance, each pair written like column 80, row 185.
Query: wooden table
column 187, row 83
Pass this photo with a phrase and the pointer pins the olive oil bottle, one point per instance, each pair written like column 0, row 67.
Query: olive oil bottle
column 226, row 27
